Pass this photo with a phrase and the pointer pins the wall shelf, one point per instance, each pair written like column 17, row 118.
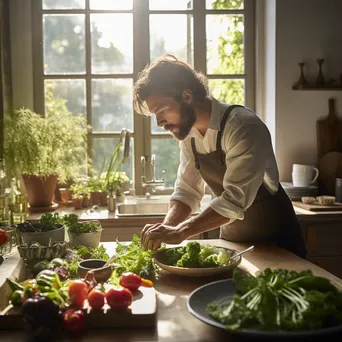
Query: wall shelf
column 318, row 88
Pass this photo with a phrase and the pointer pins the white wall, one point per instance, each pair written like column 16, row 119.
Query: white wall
column 305, row 30
column 21, row 53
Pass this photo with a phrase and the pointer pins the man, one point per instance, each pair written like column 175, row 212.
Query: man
column 225, row 146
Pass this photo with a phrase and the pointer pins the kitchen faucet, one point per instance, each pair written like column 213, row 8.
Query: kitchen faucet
column 125, row 137
column 153, row 182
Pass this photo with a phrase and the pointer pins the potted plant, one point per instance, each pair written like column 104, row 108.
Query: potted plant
column 95, row 188
column 86, row 233
column 113, row 178
column 80, row 193
column 43, row 150
column 66, row 195
column 50, row 227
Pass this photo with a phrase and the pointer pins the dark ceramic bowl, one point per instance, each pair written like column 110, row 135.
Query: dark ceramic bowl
column 101, row 274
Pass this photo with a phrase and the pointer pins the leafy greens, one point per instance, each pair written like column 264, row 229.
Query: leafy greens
column 279, row 299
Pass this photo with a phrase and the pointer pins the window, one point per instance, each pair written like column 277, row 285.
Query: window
column 89, row 52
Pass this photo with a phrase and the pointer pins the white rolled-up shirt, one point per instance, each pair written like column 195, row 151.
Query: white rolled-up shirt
column 250, row 162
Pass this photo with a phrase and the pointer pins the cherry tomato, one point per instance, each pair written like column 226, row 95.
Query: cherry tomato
column 74, row 321
column 96, row 299
column 78, row 292
column 3, row 237
column 119, row 298
column 146, row 282
column 131, row 281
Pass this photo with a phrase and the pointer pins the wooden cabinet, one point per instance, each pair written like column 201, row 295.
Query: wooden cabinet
column 323, row 236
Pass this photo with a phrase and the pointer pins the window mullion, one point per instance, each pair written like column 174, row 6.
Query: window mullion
column 141, row 55
column 38, row 60
column 88, row 79
column 200, row 41
column 249, row 45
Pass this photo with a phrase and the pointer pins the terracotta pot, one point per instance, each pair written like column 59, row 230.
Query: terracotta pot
column 77, row 202
column 95, row 198
column 59, row 186
column 85, row 202
column 40, row 190
column 103, row 198
column 65, row 195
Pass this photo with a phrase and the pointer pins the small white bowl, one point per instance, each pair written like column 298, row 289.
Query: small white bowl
column 309, row 200
column 326, row 200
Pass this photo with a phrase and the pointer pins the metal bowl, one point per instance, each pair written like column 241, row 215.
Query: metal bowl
column 159, row 258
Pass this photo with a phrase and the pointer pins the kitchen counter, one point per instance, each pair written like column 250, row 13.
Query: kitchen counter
column 174, row 322
column 112, row 219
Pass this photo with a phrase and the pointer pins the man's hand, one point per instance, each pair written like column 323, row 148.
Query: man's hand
column 153, row 235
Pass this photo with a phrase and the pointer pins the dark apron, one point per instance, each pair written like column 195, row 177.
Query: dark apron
column 270, row 218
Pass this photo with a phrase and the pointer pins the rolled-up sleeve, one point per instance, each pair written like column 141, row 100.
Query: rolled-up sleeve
column 246, row 159
column 189, row 186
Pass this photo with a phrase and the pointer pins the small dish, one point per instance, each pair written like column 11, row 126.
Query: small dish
column 309, row 200
column 326, row 200
column 101, row 274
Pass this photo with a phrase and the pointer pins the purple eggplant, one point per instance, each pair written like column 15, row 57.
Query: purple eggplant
column 42, row 317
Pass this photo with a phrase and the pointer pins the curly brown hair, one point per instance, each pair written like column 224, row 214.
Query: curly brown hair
column 169, row 77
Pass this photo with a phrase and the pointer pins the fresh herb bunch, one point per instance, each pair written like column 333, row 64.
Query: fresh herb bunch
column 47, row 222
column 195, row 255
column 133, row 258
column 280, row 299
column 85, row 227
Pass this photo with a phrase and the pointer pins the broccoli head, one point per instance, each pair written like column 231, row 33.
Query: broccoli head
column 211, row 261
column 206, row 250
column 172, row 255
column 187, row 260
column 193, row 248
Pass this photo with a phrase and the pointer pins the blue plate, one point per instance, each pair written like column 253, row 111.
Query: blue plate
column 215, row 291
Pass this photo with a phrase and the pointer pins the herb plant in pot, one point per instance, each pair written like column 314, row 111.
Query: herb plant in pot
column 80, row 193
column 43, row 150
column 86, row 233
column 50, row 227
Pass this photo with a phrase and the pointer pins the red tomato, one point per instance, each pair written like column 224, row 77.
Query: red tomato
column 96, row 299
column 3, row 237
column 78, row 292
column 131, row 281
column 74, row 321
column 119, row 298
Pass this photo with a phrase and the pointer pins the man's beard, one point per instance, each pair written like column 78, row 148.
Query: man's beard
column 188, row 118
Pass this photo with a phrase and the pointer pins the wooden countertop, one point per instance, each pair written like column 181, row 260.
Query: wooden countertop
column 175, row 323
column 108, row 219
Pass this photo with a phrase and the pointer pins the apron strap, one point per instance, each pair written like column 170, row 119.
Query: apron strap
column 222, row 125
column 193, row 146
column 219, row 137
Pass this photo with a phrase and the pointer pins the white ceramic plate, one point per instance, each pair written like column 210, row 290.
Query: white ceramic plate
column 196, row 272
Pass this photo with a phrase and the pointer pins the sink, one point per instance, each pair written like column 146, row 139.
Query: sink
column 142, row 209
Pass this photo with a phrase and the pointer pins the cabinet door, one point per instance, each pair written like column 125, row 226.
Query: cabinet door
column 330, row 264
column 324, row 239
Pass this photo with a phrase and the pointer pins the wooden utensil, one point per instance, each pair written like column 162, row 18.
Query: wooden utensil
column 329, row 132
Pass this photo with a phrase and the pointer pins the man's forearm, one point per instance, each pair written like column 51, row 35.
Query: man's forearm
column 207, row 220
column 177, row 213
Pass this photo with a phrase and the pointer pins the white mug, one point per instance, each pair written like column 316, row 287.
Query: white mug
column 303, row 175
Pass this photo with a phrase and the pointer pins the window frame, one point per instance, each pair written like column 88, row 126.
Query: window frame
column 141, row 57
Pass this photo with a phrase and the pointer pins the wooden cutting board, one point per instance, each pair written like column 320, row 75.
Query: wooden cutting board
column 330, row 168
column 329, row 132
column 141, row 314
column 318, row 207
